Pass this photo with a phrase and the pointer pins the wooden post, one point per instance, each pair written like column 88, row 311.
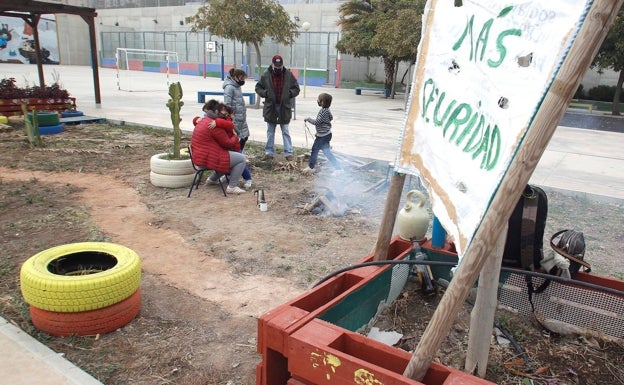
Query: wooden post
column 390, row 212
column 482, row 315
column 585, row 47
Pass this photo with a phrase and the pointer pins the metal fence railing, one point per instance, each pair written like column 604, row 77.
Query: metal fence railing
column 109, row 4
column 314, row 50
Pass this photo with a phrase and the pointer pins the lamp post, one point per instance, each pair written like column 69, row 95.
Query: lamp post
column 306, row 27
column 222, row 62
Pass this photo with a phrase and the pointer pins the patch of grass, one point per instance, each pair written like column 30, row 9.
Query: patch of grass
column 353, row 84
column 284, row 267
column 508, row 322
column 6, row 267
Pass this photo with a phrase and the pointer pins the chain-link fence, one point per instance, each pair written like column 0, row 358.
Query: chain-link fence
column 312, row 50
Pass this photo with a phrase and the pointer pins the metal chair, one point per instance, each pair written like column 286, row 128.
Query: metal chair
column 199, row 172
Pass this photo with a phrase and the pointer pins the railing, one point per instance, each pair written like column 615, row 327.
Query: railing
column 110, row 4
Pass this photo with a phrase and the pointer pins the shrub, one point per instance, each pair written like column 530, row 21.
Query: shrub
column 603, row 93
column 9, row 90
column 580, row 92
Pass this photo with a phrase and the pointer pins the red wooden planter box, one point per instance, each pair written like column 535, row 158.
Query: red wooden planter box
column 275, row 326
column 295, row 343
column 10, row 107
column 322, row 353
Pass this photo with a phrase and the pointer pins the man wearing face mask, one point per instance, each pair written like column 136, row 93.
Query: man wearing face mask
column 278, row 86
column 233, row 97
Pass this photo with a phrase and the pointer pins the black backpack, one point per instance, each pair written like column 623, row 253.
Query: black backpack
column 525, row 233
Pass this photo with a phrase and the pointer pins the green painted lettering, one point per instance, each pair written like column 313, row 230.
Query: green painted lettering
column 467, row 31
column 429, row 99
column 459, row 116
column 482, row 41
column 500, row 47
column 436, row 116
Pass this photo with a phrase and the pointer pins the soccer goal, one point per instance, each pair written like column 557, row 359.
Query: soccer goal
column 145, row 69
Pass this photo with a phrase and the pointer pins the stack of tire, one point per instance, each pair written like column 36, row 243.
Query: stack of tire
column 171, row 173
column 85, row 288
column 49, row 122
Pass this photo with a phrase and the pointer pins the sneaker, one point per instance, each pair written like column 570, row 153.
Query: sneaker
column 234, row 190
column 267, row 157
column 247, row 184
column 289, row 158
column 308, row 171
column 223, row 179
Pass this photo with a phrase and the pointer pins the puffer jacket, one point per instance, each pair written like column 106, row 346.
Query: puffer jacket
column 264, row 89
column 233, row 97
column 209, row 147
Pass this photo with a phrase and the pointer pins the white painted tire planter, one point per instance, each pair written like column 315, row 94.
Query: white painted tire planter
column 171, row 173
column 171, row 181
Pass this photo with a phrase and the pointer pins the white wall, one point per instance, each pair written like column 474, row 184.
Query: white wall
column 73, row 50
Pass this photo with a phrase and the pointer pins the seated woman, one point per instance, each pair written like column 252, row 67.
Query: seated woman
column 215, row 145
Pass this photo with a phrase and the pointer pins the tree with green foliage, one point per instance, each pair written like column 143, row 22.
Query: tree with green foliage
column 247, row 21
column 389, row 29
column 611, row 55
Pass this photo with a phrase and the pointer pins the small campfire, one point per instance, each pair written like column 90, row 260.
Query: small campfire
column 327, row 203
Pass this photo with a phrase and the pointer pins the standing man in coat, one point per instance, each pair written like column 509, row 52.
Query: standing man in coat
column 278, row 86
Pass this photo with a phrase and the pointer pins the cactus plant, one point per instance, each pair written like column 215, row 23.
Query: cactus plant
column 32, row 128
column 175, row 103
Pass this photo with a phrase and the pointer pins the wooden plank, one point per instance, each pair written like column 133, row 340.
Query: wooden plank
column 556, row 101
column 482, row 315
column 390, row 212
column 84, row 119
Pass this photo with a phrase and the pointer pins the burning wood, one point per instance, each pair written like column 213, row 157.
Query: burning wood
column 326, row 204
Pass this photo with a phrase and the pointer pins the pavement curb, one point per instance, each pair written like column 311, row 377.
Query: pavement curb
column 52, row 365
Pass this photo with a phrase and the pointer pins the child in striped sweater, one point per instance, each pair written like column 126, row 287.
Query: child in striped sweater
column 323, row 134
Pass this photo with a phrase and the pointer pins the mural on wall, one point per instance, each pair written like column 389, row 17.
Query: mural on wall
column 17, row 44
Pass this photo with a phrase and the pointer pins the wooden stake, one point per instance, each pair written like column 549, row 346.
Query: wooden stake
column 390, row 212
column 583, row 50
column 482, row 315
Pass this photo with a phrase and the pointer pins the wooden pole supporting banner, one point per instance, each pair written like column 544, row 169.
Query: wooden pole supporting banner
column 482, row 315
column 390, row 213
column 582, row 52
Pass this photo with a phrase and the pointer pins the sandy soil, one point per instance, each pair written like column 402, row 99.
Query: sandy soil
column 211, row 265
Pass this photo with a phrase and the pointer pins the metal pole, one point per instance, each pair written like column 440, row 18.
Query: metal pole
column 222, row 63
column 204, row 49
column 306, row 26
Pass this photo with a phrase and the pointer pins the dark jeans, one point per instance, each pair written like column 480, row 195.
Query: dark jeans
column 246, row 172
column 322, row 143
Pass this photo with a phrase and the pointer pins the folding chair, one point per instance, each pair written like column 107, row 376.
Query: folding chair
column 199, row 172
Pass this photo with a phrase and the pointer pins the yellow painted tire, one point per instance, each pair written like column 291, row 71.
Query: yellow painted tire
column 79, row 277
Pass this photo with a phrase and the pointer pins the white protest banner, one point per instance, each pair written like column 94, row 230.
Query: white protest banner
column 482, row 72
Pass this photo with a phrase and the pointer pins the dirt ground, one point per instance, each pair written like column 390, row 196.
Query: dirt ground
column 212, row 265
